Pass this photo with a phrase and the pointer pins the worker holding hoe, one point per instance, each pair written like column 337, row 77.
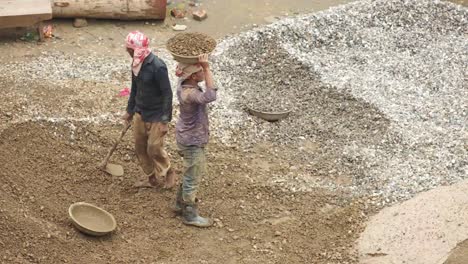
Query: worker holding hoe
column 150, row 108
column 192, row 134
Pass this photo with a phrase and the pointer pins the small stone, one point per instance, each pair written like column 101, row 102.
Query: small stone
column 179, row 27
column 80, row 22
column 270, row 19
column 177, row 13
column 200, row 15
column 278, row 233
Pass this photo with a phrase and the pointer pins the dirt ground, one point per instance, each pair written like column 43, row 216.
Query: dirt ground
column 459, row 254
column 46, row 166
column 254, row 222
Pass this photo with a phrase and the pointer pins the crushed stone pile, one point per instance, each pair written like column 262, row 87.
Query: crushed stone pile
column 58, row 66
column 380, row 85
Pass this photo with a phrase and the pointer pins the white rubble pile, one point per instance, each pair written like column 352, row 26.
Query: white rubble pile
column 406, row 60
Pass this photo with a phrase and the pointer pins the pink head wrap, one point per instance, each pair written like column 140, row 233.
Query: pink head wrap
column 183, row 71
column 139, row 43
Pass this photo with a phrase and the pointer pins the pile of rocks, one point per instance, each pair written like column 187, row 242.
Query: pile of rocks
column 380, row 85
column 59, row 67
column 191, row 44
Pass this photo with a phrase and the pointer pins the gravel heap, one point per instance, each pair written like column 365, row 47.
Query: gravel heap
column 58, row 66
column 191, row 44
column 81, row 88
column 380, row 86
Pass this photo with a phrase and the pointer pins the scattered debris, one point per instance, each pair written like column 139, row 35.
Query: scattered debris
column 178, row 27
column 124, row 92
column 29, row 36
column 47, row 30
column 80, row 22
column 178, row 13
column 199, row 15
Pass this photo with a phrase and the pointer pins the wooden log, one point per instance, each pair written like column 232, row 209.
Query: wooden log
column 23, row 13
column 110, row 9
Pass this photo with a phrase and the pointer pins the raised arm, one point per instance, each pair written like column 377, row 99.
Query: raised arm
column 209, row 95
column 203, row 60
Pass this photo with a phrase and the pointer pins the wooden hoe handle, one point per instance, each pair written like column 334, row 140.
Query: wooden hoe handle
column 109, row 154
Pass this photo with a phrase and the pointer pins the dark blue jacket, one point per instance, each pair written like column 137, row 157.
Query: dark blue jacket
column 151, row 94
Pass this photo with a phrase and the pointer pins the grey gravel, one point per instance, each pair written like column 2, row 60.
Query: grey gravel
column 80, row 88
column 379, row 86
column 59, row 66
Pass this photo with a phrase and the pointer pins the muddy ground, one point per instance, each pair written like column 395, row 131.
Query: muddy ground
column 47, row 165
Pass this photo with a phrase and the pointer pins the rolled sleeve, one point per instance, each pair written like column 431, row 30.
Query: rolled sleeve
column 200, row 97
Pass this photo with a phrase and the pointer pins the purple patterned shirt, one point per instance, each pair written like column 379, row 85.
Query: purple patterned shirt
column 192, row 128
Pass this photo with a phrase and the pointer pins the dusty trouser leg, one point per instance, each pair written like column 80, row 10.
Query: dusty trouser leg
column 140, row 132
column 178, row 203
column 195, row 167
column 156, row 152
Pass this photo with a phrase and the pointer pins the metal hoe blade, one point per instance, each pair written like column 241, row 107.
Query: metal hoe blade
column 114, row 169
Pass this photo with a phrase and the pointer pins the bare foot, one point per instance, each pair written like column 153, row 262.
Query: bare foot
column 170, row 180
column 150, row 182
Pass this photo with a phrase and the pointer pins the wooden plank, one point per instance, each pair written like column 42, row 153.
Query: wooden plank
column 22, row 21
column 22, row 13
column 25, row 7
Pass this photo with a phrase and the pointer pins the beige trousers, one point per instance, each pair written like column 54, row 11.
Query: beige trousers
column 149, row 147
